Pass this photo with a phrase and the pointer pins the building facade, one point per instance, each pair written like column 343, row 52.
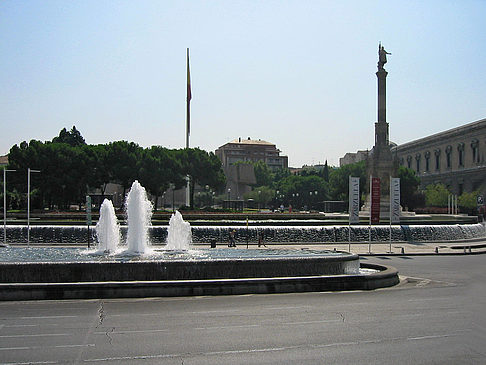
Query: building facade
column 455, row 158
column 248, row 150
column 353, row 157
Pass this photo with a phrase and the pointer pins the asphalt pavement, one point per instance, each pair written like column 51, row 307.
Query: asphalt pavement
column 434, row 316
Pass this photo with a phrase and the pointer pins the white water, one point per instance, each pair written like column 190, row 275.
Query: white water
column 107, row 229
column 179, row 235
column 139, row 213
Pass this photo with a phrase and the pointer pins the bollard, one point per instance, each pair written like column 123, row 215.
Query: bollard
column 403, row 250
column 213, row 243
column 436, row 249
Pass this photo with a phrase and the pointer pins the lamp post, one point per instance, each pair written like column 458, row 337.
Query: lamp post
column 5, row 205
column 172, row 186
column 29, row 170
column 229, row 198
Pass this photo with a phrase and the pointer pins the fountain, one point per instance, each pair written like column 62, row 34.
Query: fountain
column 179, row 234
column 107, row 229
column 141, row 271
column 139, row 213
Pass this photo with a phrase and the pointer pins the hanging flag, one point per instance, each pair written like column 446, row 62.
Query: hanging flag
column 395, row 200
column 189, row 97
column 375, row 200
column 353, row 200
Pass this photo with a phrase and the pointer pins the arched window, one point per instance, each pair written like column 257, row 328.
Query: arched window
column 427, row 161
column 475, row 150
column 417, row 160
column 449, row 156
column 437, row 159
column 460, row 150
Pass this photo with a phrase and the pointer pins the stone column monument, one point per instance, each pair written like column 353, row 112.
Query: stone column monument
column 380, row 162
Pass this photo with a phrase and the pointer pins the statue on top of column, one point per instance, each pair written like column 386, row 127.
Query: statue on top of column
column 382, row 57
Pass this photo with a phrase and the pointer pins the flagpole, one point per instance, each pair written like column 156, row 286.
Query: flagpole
column 188, row 124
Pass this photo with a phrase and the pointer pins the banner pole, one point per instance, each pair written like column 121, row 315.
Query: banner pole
column 371, row 207
column 392, row 196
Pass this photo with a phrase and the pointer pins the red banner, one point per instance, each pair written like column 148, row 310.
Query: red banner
column 375, row 200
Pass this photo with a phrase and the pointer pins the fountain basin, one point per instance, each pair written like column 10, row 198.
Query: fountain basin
column 216, row 264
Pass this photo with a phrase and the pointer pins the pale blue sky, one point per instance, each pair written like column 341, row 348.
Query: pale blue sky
column 300, row 74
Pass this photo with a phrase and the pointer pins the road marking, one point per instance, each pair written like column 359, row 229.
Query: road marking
column 228, row 327
column 48, row 317
column 313, row 322
column 130, row 331
column 30, row 363
column 429, row 337
column 279, row 308
column 268, row 349
column 43, row 347
column 20, row 325
column 38, row 335
column 217, row 311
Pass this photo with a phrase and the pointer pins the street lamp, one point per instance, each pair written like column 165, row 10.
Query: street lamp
column 5, row 205
column 29, row 170
column 229, row 198
column 172, row 186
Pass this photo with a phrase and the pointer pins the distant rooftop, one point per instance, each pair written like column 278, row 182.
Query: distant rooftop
column 251, row 141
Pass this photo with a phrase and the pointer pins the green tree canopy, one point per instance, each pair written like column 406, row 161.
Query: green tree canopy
column 203, row 168
column 409, row 184
column 339, row 179
column 436, row 195
column 72, row 138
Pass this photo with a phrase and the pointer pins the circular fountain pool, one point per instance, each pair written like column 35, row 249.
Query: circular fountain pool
column 49, row 264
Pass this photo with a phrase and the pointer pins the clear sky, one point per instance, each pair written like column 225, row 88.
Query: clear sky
column 300, row 74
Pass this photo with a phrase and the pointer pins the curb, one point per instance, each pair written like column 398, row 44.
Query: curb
column 386, row 276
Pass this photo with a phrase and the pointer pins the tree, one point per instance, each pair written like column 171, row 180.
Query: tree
column 297, row 190
column 72, row 138
column 122, row 161
column 263, row 174
column 339, row 179
column 203, row 168
column 409, row 183
column 325, row 172
column 262, row 195
column 158, row 168
column 436, row 195
column 469, row 200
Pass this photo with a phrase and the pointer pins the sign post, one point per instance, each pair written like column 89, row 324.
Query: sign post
column 88, row 214
column 481, row 207
column 394, row 204
column 375, row 204
column 353, row 205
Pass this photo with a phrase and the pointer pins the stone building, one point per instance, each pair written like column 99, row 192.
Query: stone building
column 353, row 157
column 3, row 161
column 251, row 150
column 240, row 177
column 455, row 158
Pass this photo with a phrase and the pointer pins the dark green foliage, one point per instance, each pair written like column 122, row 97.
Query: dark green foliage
column 410, row 197
column 339, row 179
column 203, row 168
column 297, row 190
column 72, row 138
column 69, row 166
